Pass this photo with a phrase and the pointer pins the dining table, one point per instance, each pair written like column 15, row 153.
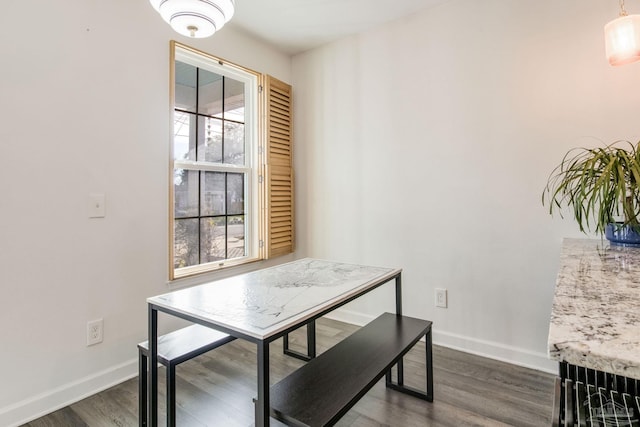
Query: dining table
column 264, row 305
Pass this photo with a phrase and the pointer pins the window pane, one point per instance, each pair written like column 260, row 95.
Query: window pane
column 212, row 239
column 213, row 200
column 185, row 185
column 209, row 140
column 184, row 146
column 210, row 217
column 233, row 143
column 209, row 93
column 185, row 87
column 235, row 193
column 186, row 245
column 233, row 100
column 235, row 236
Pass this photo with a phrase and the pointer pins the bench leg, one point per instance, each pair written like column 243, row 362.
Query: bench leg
column 171, row 395
column 400, row 373
column 311, row 344
column 429, row 352
column 399, row 385
column 142, row 389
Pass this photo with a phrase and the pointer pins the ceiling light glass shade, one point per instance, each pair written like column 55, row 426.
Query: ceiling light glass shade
column 622, row 38
column 195, row 18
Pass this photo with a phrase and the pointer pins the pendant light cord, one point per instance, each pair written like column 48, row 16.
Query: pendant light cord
column 623, row 12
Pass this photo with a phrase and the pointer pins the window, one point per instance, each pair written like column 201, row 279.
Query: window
column 232, row 202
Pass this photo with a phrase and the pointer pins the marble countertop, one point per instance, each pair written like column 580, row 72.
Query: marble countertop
column 595, row 319
column 265, row 302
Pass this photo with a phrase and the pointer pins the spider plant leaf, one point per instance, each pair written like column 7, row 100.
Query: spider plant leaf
column 597, row 184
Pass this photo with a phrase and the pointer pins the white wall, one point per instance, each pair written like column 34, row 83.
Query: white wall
column 426, row 143
column 423, row 144
column 84, row 107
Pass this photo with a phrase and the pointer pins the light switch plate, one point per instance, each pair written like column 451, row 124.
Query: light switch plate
column 96, row 205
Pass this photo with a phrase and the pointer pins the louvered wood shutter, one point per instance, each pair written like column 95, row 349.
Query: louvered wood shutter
column 278, row 172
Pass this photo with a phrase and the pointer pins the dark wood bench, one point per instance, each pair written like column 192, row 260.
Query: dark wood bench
column 173, row 349
column 323, row 390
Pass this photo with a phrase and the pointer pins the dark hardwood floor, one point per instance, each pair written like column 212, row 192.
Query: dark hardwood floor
column 216, row 389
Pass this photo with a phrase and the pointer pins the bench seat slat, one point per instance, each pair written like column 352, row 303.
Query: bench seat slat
column 324, row 389
column 186, row 343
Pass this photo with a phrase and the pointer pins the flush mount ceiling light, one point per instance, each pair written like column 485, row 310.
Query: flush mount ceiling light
column 622, row 38
column 195, row 18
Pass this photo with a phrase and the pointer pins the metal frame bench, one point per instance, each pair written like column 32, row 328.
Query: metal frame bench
column 173, row 349
column 322, row 391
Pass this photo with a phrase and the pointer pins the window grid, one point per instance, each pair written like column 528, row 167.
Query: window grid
column 223, row 120
column 226, row 215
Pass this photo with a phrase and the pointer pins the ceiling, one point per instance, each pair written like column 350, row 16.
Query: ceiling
column 298, row 25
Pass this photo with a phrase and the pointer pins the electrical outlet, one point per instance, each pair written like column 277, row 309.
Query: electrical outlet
column 94, row 332
column 441, row 298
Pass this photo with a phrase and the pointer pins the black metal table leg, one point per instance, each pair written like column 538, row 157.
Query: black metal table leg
column 152, row 387
column 311, row 339
column 171, row 395
column 262, row 403
column 311, row 344
column 142, row 389
column 400, row 366
column 399, row 294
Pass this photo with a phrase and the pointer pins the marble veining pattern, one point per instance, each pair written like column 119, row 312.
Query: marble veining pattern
column 264, row 302
column 595, row 319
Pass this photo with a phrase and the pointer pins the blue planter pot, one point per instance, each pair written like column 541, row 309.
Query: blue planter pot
column 619, row 234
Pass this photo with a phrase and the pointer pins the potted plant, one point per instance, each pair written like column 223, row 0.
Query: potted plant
column 601, row 186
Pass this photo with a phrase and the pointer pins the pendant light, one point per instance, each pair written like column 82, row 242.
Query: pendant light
column 622, row 38
column 195, row 18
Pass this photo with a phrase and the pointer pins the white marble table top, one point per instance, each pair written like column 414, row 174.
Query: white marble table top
column 265, row 302
column 595, row 320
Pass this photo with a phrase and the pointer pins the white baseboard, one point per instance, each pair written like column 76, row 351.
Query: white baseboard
column 44, row 403
column 348, row 316
column 492, row 350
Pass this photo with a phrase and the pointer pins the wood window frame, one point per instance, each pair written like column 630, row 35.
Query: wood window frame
column 274, row 228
